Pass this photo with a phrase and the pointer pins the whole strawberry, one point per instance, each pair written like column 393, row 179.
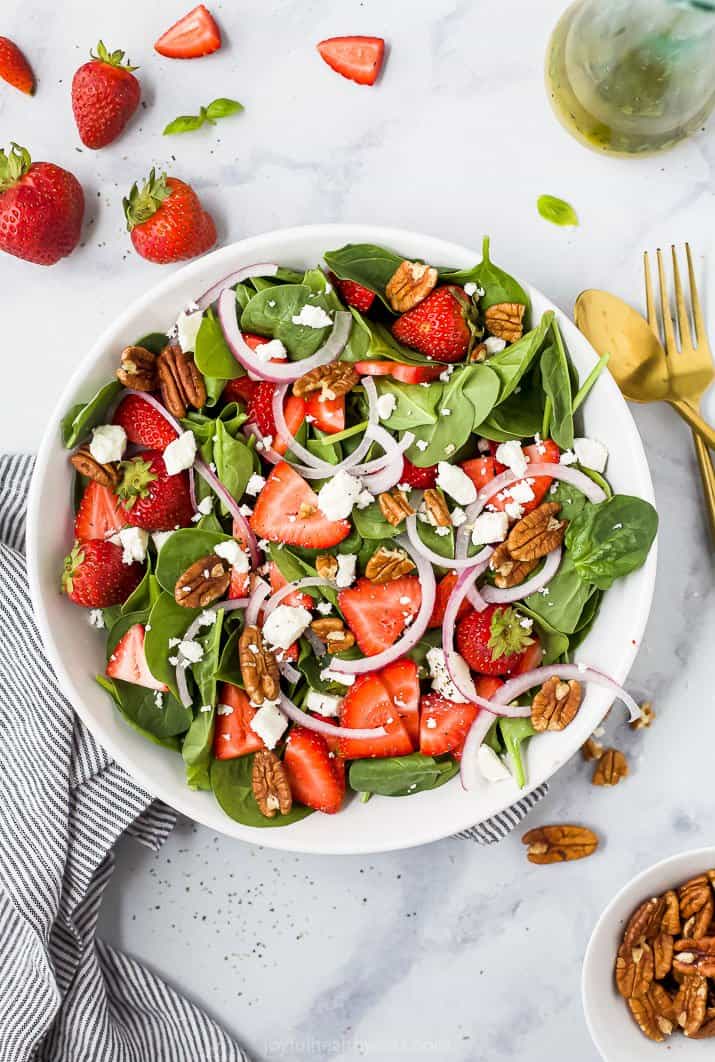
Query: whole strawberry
column 167, row 221
column 438, row 326
column 14, row 67
column 41, row 208
column 105, row 94
column 150, row 497
column 494, row 641
column 95, row 576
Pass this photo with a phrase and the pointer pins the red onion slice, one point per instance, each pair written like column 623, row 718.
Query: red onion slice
column 292, row 588
column 192, row 630
column 393, row 451
column 210, row 477
column 295, row 447
column 412, row 634
column 276, row 373
column 521, row 683
column 259, row 269
column 296, row 715
column 258, row 595
column 493, row 595
column 288, row 671
column 458, row 564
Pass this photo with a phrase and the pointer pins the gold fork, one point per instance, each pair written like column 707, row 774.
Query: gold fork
column 690, row 368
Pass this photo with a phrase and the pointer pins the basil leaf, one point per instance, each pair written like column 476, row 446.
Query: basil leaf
column 396, row 776
column 231, row 783
column 498, row 286
column 271, row 313
column 85, row 415
column 185, row 123
column 556, row 210
column 366, row 264
column 212, row 354
column 222, row 108
column 611, row 539
column 184, row 547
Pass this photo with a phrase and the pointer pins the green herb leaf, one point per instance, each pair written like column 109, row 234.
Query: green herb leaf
column 512, row 362
column 366, row 264
column 222, row 108
column 611, row 539
column 497, row 285
column 396, row 776
column 231, row 783
column 184, row 547
column 85, row 415
column 556, row 381
column 187, row 123
column 271, row 311
column 562, row 606
column 555, row 210
column 514, row 732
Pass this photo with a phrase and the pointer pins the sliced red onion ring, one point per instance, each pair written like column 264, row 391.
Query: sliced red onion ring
column 259, row 269
column 412, row 634
column 461, row 564
column 296, row 715
column 291, row 588
column 258, row 595
column 521, row 683
column 393, row 450
column 276, row 373
column 288, row 671
column 493, row 595
column 316, row 645
column 192, row 630
column 210, row 477
column 295, row 447
column 475, row 599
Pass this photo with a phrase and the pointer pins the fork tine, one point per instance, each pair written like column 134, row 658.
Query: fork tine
column 649, row 301
column 670, row 344
column 681, row 309
column 698, row 318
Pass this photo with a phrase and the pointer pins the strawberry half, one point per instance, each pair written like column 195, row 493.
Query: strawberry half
column 328, row 414
column 259, row 410
column 398, row 370
column 295, row 599
column 368, row 703
column 353, row 294
column 95, row 575
column 444, row 591
column 444, row 724
column 99, row 514
column 401, row 679
column 418, row 477
column 150, row 497
column 377, row 613
column 357, row 58
column 14, row 67
column 195, row 34
column 437, row 327
column 546, row 452
column 128, row 661
column 493, row 642
column 232, row 733
column 480, row 470
column 277, row 514
column 143, row 424
column 317, row 778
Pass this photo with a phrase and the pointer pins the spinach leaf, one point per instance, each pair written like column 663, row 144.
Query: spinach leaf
column 231, row 783
column 204, row 671
column 514, row 732
column 153, row 341
column 554, row 643
column 396, row 776
column 166, row 620
column 481, row 388
column 431, row 639
column 372, row 340
column 229, row 669
column 85, row 415
column 108, row 685
column 468, row 385
column 415, row 404
column 586, row 620
column 571, row 500
column 556, row 380
column 370, row 523
column 562, row 606
column 212, row 354
column 271, row 312
column 511, row 363
column 235, row 462
column 146, row 593
column 611, row 539
column 139, row 704
column 366, row 264
column 498, row 286
column 179, row 552
column 519, row 417
column 196, row 749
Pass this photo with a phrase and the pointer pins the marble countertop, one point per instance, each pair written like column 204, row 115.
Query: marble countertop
column 451, row 951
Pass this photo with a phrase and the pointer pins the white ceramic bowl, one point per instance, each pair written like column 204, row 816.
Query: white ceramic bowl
column 612, row 1028
column 77, row 652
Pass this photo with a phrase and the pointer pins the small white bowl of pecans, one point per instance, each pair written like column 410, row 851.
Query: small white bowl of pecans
column 648, row 981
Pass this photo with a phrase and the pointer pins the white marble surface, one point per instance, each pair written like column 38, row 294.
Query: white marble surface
column 449, row 952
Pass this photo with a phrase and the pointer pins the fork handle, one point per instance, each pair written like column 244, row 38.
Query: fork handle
column 696, row 422
column 707, row 475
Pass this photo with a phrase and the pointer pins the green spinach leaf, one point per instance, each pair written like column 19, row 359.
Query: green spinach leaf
column 514, row 732
column 611, row 539
column 235, row 462
column 396, row 776
column 562, row 606
column 85, row 415
column 184, row 547
column 108, row 685
column 511, row 363
column 366, row 264
column 166, row 620
column 231, row 783
column 212, row 354
column 271, row 313
column 556, row 380
column 498, row 286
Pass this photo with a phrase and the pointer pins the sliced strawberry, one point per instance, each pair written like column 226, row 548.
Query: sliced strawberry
column 369, row 704
column 143, row 424
column 242, row 389
column 546, row 452
column 99, row 514
column 487, row 685
column 333, row 743
column 377, row 613
column 260, row 412
column 95, row 575
column 437, row 327
column 480, row 470
column 317, row 778
column 240, row 581
column 194, row 35
column 530, row 658
column 354, row 294
column 399, row 371
column 402, row 683
column 278, row 581
column 444, row 724
column 444, row 589
column 128, row 661
column 151, row 498
column 233, row 735
column 328, row 413
column 14, row 67
column 421, row 478
column 276, row 518
column 356, row 58
column 493, row 642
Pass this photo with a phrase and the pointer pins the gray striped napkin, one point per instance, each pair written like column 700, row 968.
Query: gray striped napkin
column 66, row 996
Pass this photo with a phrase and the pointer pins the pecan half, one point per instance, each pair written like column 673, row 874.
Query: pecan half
column 505, row 320
column 331, row 380
column 653, row 1013
column 696, row 906
column 206, row 581
column 591, row 749
column 556, row 704
column 695, row 956
column 646, row 717
column 270, row 784
column 478, row 353
column 611, row 768
column 259, row 668
column 634, row 970
column 394, row 506
column 537, row 533
column 137, row 369
column 671, row 916
column 387, row 564
column 508, row 570
column 331, row 630
column 409, row 284
column 662, row 955
column 180, row 382
column 645, row 922
column 691, row 1003
column 707, row 1029
column 326, row 565
column 106, row 475
column 436, row 508
column 559, row 844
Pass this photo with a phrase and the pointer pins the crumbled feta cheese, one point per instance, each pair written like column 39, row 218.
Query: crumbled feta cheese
column 458, row 517
column 108, row 443
column 187, row 329
column 338, row 495
column 285, row 625
column 386, row 406
column 454, row 481
column 232, row 553
column 159, row 538
column 431, row 723
column 254, row 486
column 206, row 505
column 346, row 570
column 591, row 453
column 444, row 376
column 205, row 707
column 191, row 651
column 483, row 446
column 173, row 642
column 323, row 703
column 449, row 449
column 514, row 510
column 445, row 411
column 470, row 288
column 312, row 317
column 224, row 709
column 441, row 531
column 422, row 445
column 490, row 527
column 159, row 699
column 328, row 675
column 134, row 541
column 269, row 723
column 96, row 619
column 568, row 457
column 181, row 453
column 274, row 348
column 365, row 498
column 324, row 608
column 521, row 492
column 491, row 766
column 494, row 345
column 441, row 680
column 511, row 454
column 207, row 618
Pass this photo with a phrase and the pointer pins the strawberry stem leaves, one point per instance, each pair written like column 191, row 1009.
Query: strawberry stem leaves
column 142, row 203
column 136, row 478
column 13, row 165
column 103, row 55
column 509, row 633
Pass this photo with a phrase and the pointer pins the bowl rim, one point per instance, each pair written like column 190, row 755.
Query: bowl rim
column 231, row 255
column 610, row 914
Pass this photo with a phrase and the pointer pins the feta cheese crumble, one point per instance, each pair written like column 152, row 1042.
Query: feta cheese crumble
column 191, row 651
column 328, row 675
column 312, row 317
column 568, row 457
column 96, row 619
column 491, row 766
column 324, row 608
column 346, row 570
column 254, row 486
column 494, row 345
column 386, row 406
column 490, row 527
column 591, row 453
column 159, row 538
column 521, row 492
column 108, row 443
column 454, row 481
column 441, row 680
column 511, row 454
column 232, row 553
column 206, row 505
column 323, row 703
column 187, row 328
column 181, row 453
column 458, row 517
column 285, row 625
column 337, row 497
column 269, row 723
column 470, row 288
column 274, row 348
column 134, row 541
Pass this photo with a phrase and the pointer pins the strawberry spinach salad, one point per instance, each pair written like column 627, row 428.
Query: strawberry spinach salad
column 341, row 531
